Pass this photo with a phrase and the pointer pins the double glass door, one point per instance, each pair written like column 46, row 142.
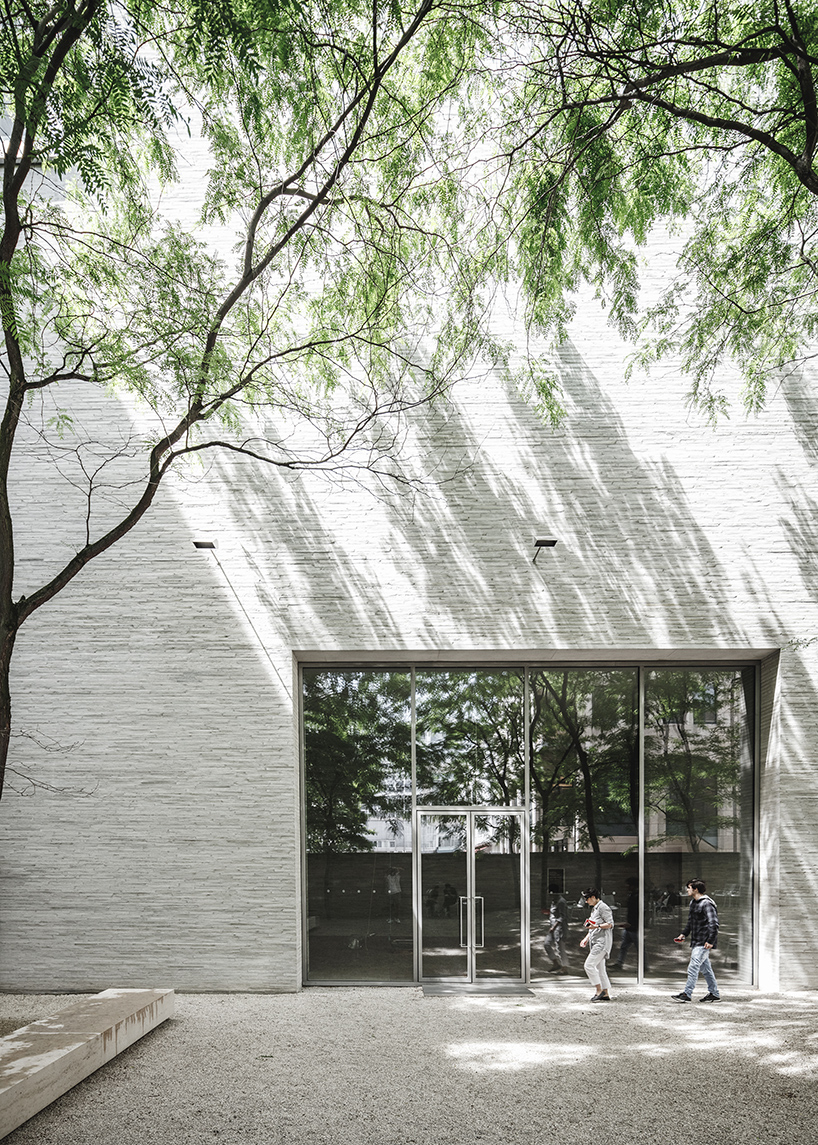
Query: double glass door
column 471, row 917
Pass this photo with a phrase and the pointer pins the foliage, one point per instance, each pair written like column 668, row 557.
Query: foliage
column 629, row 119
column 693, row 752
column 357, row 756
column 470, row 737
column 584, row 755
column 337, row 299
column 583, row 745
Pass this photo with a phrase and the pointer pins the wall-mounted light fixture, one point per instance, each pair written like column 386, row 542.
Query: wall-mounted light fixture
column 543, row 543
column 211, row 546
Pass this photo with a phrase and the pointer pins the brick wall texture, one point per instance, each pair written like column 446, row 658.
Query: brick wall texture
column 157, row 695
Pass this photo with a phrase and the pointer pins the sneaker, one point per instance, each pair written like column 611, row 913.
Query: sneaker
column 601, row 998
column 681, row 997
column 710, row 998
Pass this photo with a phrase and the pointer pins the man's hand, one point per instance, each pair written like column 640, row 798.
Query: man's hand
column 708, row 945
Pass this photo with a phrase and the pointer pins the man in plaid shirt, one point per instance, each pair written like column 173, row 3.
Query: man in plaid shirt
column 703, row 928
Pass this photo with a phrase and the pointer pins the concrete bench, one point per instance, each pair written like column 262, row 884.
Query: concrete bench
column 40, row 1062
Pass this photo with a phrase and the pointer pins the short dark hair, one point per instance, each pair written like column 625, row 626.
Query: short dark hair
column 591, row 893
column 697, row 885
column 555, row 888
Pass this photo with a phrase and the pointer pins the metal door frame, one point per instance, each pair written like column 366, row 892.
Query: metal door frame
column 470, row 813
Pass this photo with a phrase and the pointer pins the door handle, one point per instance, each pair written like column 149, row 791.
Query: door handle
column 480, row 942
column 463, row 901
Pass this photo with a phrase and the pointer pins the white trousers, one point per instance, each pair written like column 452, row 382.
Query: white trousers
column 595, row 967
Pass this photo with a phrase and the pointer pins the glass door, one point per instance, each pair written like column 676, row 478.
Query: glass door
column 443, row 891
column 498, row 911
column 471, row 916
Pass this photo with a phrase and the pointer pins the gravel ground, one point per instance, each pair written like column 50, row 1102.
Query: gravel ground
column 359, row 1066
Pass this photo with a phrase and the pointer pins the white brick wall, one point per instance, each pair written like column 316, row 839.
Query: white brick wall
column 175, row 678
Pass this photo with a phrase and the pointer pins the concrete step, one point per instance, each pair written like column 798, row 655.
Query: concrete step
column 42, row 1061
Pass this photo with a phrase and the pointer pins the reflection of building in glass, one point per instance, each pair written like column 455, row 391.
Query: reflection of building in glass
column 390, row 828
column 695, row 731
column 630, row 792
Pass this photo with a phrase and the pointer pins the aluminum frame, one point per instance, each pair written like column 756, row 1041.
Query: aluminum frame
column 471, row 977
column 393, row 661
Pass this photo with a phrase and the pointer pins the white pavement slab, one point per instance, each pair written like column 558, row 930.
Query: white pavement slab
column 42, row 1060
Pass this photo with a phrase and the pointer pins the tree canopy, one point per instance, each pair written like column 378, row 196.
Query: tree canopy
column 339, row 298
column 359, row 242
column 702, row 117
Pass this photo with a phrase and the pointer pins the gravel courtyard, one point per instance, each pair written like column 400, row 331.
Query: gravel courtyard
column 360, row 1066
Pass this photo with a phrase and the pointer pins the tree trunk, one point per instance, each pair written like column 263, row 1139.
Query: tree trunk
column 6, row 648
column 545, row 857
column 9, row 616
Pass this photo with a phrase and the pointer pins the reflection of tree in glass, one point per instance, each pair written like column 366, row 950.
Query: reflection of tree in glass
column 470, row 737
column 692, row 754
column 499, row 833
column 584, row 758
column 451, row 832
column 357, row 756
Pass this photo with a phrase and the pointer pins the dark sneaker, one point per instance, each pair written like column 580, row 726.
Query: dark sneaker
column 710, row 998
column 601, row 998
column 681, row 997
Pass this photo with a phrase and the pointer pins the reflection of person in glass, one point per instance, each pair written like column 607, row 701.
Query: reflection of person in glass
column 599, row 940
column 557, row 928
column 393, row 893
column 449, row 898
column 430, row 900
column 669, row 900
column 703, row 928
column 630, row 928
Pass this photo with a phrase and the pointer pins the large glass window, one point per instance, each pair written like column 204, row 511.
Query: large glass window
column 358, row 781
column 699, row 810
column 470, row 738
column 507, row 792
column 585, row 813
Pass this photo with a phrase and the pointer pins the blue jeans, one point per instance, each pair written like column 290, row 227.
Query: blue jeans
column 700, row 964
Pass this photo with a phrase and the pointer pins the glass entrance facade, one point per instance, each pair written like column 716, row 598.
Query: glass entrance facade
column 451, row 815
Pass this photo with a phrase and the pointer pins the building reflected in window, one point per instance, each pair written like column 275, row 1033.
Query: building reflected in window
column 446, row 771
column 699, row 807
column 358, row 786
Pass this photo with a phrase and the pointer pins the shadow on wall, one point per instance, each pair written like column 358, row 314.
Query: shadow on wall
column 453, row 568
column 652, row 552
column 798, row 508
column 137, row 685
